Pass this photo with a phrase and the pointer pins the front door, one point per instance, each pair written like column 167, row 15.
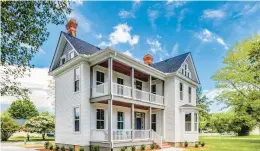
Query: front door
column 139, row 121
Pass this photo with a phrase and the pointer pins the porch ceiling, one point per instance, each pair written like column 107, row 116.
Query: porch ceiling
column 124, row 69
column 118, row 103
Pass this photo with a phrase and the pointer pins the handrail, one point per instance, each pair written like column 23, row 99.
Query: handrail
column 156, row 138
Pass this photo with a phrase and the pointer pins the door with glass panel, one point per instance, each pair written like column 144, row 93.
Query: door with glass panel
column 138, row 86
column 120, row 86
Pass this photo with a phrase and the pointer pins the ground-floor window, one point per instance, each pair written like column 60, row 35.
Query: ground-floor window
column 100, row 119
column 120, row 120
column 154, row 122
column 188, row 122
column 195, row 121
column 76, row 119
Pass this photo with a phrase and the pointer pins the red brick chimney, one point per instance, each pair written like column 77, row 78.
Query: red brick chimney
column 71, row 27
column 148, row 59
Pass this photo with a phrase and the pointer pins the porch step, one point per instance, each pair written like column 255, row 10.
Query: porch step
column 166, row 145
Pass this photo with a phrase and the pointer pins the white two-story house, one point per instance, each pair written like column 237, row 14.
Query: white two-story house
column 106, row 98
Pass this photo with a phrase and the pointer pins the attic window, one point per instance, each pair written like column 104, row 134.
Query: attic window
column 62, row 60
column 71, row 54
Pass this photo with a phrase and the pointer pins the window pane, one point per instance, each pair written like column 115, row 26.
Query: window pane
column 76, row 118
column 180, row 86
column 76, row 86
column 77, row 74
column 154, row 126
column 153, row 117
column 76, row 125
column 76, row 112
column 195, row 117
column 188, row 122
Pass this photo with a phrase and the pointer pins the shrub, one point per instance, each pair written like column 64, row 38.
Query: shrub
column 57, row 148
column 96, row 148
column 46, row 145
column 196, row 145
column 143, row 147
column 199, row 142
column 81, row 149
column 152, row 146
column 70, row 148
column 186, row 144
column 62, row 148
column 132, row 148
column 202, row 144
column 123, row 149
column 51, row 147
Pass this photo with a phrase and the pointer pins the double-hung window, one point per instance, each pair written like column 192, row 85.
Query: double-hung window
column 154, row 122
column 100, row 119
column 181, row 91
column 71, row 54
column 120, row 86
column 188, row 122
column 120, row 120
column 76, row 119
column 100, row 77
column 189, row 94
column 195, row 121
column 76, row 79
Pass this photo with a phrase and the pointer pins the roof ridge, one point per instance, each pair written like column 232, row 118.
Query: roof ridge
column 80, row 39
column 172, row 57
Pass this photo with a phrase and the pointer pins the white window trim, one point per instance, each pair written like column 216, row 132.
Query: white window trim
column 190, row 94
column 73, row 109
column 191, row 129
column 69, row 57
column 195, row 122
column 74, row 79
column 101, row 120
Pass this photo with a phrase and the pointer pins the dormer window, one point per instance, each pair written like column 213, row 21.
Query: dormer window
column 62, row 60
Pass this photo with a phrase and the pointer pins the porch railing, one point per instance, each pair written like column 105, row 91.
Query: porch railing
column 100, row 90
column 142, row 134
column 122, row 134
column 122, row 90
column 99, row 135
column 157, row 99
column 141, row 95
column 156, row 138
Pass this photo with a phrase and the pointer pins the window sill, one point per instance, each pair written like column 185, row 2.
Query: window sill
column 77, row 132
column 76, row 92
column 191, row 132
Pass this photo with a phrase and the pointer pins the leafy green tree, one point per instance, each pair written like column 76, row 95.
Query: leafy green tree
column 8, row 126
column 222, row 122
column 23, row 31
column 240, row 83
column 40, row 124
column 203, row 104
column 23, row 109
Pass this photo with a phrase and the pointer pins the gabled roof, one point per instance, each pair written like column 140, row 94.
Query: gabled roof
column 81, row 46
column 172, row 64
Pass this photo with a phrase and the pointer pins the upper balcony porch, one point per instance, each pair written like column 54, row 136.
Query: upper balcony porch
column 125, row 83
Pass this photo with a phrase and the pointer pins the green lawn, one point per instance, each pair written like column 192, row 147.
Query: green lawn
column 32, row 139
column 230, row 143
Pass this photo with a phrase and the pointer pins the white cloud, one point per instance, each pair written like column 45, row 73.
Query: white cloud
column 41, row 51
column 180, row 18
column 216, row 105
column 171, row 5
column 155, row 45
column 99, row 36
column 153, row 15
column 37, row 83
column 123, row 14
column 207, row 36
column 83, row 23
column 121, row 34
column 213, row 14
column 79, row 2
column 128, row 53
column 175, row 49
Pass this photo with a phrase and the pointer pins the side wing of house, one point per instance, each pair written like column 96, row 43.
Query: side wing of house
column 180, row 113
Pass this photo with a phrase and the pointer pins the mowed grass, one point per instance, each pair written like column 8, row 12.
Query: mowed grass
column 230, row 143
column 32, row 139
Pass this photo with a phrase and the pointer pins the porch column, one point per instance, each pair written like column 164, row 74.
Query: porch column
column 150, row 89
column 163, row 124
column 150, row 121
column 110, row 121
column 133, row 120
column 133, row 81
column 110, row 75
column 91, row 81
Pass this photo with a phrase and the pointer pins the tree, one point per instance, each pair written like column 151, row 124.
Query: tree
column 23, row 31
column 23, row 109
column 8, row 126
column 239, row 81
column 203, row 104
column 40, row 124
column 222, row 122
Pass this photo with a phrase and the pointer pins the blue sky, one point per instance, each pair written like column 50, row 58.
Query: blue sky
column 163, row 29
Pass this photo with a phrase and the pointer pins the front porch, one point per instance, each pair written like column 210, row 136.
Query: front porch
column 127, row 123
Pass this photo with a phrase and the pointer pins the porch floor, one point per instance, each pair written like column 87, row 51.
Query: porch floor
column 122, row 143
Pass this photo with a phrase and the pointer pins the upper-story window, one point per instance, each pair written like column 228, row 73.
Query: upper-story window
column 62, row 60
column 181, row 91
column 189, row 94
column 71, row 54
column 76, row 79
column 154, row 89
column 100, row 76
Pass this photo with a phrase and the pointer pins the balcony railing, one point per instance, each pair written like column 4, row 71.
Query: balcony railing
column 126, row 92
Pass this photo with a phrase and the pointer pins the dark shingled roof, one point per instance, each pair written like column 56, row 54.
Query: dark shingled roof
column 81, row 46
column 172, row 64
